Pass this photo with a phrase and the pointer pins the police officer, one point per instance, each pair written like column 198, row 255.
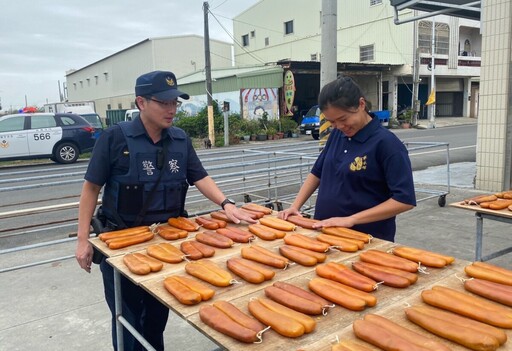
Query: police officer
column 146, row 166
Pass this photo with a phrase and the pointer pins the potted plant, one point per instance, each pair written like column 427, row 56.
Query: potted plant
column 249, row 129
column 289, row 126
column 406, row 118
column 271, row 132
column 261, row 135
column 234, row 139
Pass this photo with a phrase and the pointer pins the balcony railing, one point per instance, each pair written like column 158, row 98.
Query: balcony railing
column 463, row 61
column 469, row 53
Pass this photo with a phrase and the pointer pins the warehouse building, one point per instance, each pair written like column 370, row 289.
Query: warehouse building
column 110, row 81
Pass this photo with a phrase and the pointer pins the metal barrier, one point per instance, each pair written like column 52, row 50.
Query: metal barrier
column 270, row 178
column 262, row 176
column 431, row 193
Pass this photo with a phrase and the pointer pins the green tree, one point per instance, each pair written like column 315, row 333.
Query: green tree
column 197, row 126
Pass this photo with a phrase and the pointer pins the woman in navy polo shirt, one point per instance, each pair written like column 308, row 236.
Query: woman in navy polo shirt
column 363, row 175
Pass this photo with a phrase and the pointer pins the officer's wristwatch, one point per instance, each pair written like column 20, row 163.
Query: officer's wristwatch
column 227, row 201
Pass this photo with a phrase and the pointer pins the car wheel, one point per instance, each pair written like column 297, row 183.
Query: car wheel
column 66, row 153
column 316, row 136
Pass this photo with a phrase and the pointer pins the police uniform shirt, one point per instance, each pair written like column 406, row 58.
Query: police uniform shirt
column 360, row 172
column 110, row 155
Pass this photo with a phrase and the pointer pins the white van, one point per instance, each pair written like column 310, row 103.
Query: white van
column 131, row 114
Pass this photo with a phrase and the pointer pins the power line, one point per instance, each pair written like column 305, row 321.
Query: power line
column 273, row 30
column 223, row 57
column 314, row 37
column 363, row 33
column 222, row 3
column 236, row 41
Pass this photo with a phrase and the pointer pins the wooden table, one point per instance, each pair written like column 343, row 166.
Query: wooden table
column 337, row 324
column 481, row 213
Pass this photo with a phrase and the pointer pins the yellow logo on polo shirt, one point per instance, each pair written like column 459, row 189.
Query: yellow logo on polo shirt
column 358, row 164
column 170, row 81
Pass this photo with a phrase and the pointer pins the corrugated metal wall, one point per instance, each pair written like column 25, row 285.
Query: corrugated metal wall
column 272, row 79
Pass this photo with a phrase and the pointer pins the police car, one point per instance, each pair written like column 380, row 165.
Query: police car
column 60, row 136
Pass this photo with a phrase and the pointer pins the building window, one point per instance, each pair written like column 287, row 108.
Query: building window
column 81, row 84
column 105, row 74
column 74, row 86
column 253, row 33
column 119, row 106
column 267, row 41
column 96, row 79
column 442, row 38
column 375, row 2
column 314, row 57
column 88, row 82
column 109, row 107
column 288, row 27
column 385, row 95
column 366, row 53
column 245, row 40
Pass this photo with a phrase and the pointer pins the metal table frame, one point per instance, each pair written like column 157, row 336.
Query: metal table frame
column 121, row 321
column 479, row 236
column 480, row 214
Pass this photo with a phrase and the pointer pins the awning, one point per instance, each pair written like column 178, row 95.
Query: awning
column 459, row 8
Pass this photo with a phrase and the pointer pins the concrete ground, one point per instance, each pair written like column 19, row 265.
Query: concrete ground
column 57, row 306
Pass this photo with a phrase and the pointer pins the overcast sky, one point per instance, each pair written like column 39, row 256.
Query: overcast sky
column 42, row 39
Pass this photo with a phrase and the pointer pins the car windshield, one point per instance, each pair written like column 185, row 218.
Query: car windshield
column 313, row 111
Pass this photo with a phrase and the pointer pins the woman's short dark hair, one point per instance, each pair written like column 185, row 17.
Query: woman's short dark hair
column 343, row 93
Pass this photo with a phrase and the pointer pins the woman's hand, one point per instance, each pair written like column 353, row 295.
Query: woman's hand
column 288, row 212
column 346, row 222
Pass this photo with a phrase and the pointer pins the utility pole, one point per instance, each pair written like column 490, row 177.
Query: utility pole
column 225, row 113
column 415, row 104
column 65, row 91
column 329, row 55
column 60, row 93
column 208, row 71
column 432, row 98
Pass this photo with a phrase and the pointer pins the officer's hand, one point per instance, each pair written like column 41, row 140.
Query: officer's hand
column 83, row 255
column 237, row 215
